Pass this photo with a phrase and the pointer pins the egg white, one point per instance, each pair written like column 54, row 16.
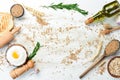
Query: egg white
column 20, row 51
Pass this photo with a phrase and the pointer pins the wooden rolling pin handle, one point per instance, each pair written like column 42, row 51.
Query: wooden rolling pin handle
column 93, row 65
column 14, row 30
column 20, row 70
column 8, row 36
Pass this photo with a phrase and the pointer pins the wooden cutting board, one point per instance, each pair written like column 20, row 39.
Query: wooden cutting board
column 6, row 22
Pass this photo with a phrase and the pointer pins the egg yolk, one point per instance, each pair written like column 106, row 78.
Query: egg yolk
column 15, row 55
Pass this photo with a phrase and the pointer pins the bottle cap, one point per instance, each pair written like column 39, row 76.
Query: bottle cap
column 89, row 20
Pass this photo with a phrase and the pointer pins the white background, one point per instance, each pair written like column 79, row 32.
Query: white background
column 49, row 57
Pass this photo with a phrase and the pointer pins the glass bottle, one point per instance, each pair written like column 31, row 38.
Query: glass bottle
column 108, row 10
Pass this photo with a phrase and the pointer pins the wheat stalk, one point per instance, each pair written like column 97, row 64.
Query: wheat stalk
column 38, row 15
column 35, row 13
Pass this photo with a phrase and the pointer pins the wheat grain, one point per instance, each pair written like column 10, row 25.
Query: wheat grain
column 37, row 14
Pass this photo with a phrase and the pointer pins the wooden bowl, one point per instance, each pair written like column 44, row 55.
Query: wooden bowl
column 26, row 57
column 109, row 64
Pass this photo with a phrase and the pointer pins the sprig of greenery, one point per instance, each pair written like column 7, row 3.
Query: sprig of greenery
column 68, row 7
column 34, row 51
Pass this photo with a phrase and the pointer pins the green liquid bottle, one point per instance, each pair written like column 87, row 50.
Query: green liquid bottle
column 108, row 10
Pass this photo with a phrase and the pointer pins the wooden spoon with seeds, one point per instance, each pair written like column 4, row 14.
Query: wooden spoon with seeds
column 110, row 49
column 109, row 29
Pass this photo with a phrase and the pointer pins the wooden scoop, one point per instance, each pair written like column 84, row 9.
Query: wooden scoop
column 110, row 49
column 109, row 29
column 8, row 36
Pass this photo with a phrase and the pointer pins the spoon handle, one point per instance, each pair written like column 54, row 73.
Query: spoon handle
column 92, row 66
column 117, row 28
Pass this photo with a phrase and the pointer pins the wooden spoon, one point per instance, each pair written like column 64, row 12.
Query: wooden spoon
column 110, row 49
column 107, row 31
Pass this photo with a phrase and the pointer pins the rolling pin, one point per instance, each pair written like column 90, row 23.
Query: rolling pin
column 20, row 70
column 8, row 36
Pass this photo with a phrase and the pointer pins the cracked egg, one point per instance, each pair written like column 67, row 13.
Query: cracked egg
column 16, row 55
